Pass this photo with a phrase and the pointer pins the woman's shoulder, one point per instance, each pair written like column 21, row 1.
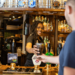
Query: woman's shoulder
column 31, row 36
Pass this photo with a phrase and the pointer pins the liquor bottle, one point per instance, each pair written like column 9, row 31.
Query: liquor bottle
column 39, row 18
column 62, row 26
column 59, row 25
column 51, row 27
column 45, row 3
column 45, row 43
column 65, row 26
column 14, row 2
column 26, row 28
column 62, row 4
column 48, row 28
column 47, row 40
column 40, row 3
column 45, row 24
column 63, row 43
column 50, row 6
column 33, row 20
column 42, row 19
column 36, row 18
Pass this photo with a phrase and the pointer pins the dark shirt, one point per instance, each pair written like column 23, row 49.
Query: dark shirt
column 29, row 55
column 67, row 54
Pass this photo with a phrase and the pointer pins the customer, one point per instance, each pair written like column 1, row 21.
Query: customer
column 36, row 31
column 66, row 59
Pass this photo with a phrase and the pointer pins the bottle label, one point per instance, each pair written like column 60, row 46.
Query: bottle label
column 32, row 3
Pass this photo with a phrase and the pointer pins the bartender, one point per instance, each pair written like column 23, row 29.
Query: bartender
column 36, row 31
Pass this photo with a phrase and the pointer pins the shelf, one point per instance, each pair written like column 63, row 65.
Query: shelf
column 1, row 36
column 62, row 35
column 50, row 32
column 20, row 28
column 64, row 32
column 1, row 28
column 46, row 13
column 32, row 9
column 19, row 42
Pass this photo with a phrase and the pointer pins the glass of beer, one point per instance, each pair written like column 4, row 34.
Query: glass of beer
column 40, row 46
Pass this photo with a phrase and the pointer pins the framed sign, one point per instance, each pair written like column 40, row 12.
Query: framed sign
column 12, row 58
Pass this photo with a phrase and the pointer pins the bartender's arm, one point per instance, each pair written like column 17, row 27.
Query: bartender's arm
column 50, row 59
column 29, row 48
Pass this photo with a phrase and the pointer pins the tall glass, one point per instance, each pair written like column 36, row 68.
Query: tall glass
column 40, row 46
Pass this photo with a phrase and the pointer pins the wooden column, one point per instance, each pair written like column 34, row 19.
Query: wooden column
column 56, row 35
column 24, row 37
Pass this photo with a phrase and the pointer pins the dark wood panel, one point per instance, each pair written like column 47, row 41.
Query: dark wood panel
column 32, row 9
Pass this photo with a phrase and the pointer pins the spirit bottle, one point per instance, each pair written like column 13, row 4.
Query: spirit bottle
column 45, row 24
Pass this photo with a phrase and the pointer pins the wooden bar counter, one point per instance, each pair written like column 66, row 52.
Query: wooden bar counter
column 52, row 71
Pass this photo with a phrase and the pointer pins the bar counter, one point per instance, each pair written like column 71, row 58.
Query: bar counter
column 45, row 71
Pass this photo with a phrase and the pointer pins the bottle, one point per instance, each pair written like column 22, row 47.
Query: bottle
column 33, row 20
column 39, row 18
column 45, row 24
column 14, row 3
column 40, row 3
column 51, row 27
column 42, row 19
column 62, row 26
column 65, row 26
column 36, row 18
column 13, row 46
column 63, row 43
column 62, row 4
column 32, row 3
column 8, row 3
column 59, row 25
column 26, row 29
column 50, row 6
column 48, row 24
column 47, row 40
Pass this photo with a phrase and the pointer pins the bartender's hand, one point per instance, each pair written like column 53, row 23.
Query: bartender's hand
column 43, row 58
column 35, row 50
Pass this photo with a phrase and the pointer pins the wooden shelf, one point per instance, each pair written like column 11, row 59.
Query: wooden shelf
column 1, row 36
column 20, row 28
column 46, row 13
column 64, row 32
column 62, row 35
column 32, row 9
column 1, row 28
column 19, row 42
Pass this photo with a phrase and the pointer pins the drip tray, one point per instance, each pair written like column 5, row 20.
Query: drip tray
column 21, row 71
